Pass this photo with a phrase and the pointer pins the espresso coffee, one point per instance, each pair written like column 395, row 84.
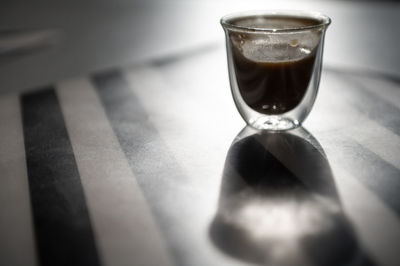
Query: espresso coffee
column 272, row 77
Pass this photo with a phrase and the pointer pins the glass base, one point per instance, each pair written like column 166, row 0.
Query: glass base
column 274, row 123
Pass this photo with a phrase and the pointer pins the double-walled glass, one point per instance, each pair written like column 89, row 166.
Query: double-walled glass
column 274, row 62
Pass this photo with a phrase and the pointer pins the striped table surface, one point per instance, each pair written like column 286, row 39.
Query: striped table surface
column 152, row 165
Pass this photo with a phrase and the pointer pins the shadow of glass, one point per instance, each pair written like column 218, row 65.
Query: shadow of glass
column 278, row 204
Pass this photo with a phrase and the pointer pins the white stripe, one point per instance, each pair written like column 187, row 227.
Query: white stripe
column 16, row 233
column 123, row 224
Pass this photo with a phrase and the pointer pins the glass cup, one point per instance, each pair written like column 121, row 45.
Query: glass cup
column 274, row 63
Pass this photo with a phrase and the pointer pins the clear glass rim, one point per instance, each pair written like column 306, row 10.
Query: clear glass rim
column 323, row 20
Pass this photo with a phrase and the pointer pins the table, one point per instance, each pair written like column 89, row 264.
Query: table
column 149, row 163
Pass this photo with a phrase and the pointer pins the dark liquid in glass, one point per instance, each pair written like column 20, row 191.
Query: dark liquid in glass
column 273, row 87
column 274, row 80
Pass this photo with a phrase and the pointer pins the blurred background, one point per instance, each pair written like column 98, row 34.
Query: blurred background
column 45, row 41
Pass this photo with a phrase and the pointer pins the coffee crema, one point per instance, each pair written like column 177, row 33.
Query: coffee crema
column 275, row 22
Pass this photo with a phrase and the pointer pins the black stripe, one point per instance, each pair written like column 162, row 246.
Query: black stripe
column 61, row 221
